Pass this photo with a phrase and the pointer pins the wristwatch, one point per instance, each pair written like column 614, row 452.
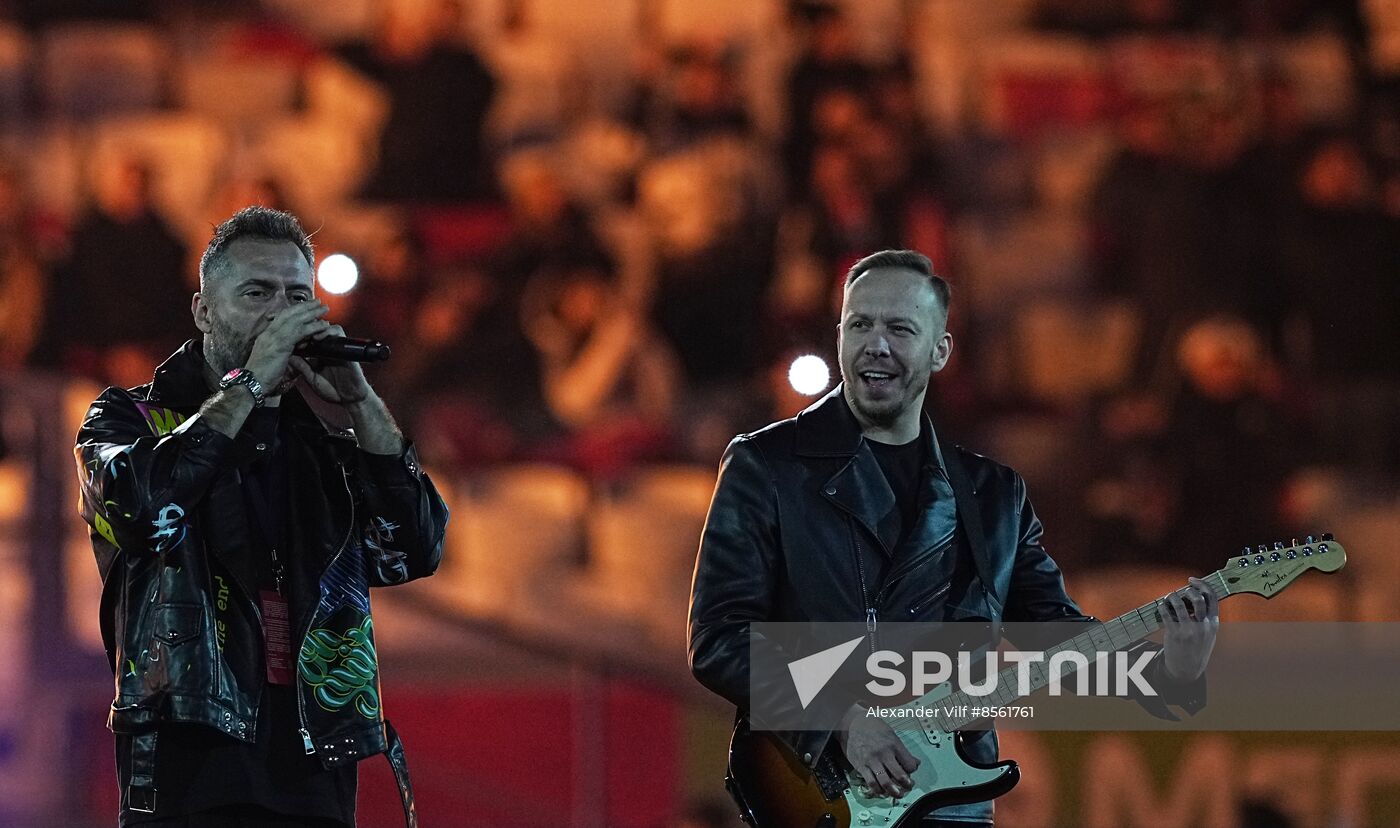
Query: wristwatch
column 242, row 376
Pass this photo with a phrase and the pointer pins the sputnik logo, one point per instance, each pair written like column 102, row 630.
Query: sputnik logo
column 811, row 673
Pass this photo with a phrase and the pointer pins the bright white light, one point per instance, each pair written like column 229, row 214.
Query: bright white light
column 809, row 375
column 338, row 274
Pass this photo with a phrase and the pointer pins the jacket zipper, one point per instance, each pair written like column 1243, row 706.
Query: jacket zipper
column 306, row 742
column 870, row 609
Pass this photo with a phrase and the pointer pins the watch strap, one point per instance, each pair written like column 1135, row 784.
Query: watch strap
column 244, row 377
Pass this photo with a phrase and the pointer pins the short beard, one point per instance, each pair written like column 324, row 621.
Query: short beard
column 888, row 414
column 882, row 418
column 225, row 349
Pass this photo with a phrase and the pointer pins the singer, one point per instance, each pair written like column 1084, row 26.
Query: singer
column 238, row 536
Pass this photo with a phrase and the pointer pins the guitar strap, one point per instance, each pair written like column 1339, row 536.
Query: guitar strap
column 971, row 518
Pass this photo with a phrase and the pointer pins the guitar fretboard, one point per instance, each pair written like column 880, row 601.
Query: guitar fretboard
column 1105, row 637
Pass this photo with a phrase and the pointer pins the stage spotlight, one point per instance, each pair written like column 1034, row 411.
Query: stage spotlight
column 809, row 375
column 338, row 274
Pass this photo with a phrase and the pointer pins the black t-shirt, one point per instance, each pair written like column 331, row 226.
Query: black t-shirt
column 199, row 768
column 903, row 466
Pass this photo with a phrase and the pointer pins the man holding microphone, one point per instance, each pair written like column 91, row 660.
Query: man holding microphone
column 237, row 536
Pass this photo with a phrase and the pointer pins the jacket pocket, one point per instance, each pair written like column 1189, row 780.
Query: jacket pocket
column 173, row 624
column 925, row 602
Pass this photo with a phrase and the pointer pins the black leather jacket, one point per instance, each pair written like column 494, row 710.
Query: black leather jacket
column 793, row 504
column 161, row 491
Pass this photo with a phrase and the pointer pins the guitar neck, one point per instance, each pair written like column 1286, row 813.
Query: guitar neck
column 1103, row 637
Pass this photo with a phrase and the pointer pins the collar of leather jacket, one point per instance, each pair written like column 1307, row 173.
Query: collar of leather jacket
column 828, row 428
column 180, row 383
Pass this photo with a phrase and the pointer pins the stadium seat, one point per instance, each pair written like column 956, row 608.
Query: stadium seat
column 14, row 71
column 319, row 160
column 184, row 152
column 1373, row 567
column 1036, row 82
column 82, row 581
column 53, row 155
column 234, row 91
column 337, row 22
column 514, row 532
column 337, row 93
column 89, row 71
column 1012, row 261
column 643, row 541
column 1070, row 351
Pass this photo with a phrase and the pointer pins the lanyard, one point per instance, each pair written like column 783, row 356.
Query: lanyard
column 276, row 614
column 266, row 528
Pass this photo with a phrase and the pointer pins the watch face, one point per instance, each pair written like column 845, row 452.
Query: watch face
column 231, row 376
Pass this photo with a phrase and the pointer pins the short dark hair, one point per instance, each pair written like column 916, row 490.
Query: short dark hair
column 909, row 260
column 253, row 223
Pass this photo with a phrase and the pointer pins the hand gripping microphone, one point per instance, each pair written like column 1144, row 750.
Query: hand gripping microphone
column 344, row 348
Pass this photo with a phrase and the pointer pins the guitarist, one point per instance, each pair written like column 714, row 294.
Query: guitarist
column 851, row 512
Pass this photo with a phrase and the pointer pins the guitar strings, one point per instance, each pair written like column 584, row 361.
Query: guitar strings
column 1153, row 609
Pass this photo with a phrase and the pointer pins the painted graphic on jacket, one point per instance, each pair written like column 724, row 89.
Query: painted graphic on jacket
column 341, row 669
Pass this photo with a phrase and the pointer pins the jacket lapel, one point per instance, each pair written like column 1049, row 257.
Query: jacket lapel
column 861, row 490
column 933, row 531
column 828, row 429
column 969, row 513
column 179, row 382
column 326, row 478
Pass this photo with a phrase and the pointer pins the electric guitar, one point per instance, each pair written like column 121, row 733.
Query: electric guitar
column 774, row 790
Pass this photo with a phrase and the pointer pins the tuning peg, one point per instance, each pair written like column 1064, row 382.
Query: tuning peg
column 1278, row 544
column 1309, row 540
column 1327, row 536
column 1263, row 547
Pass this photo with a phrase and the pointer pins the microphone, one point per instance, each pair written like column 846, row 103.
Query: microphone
column 343, row 348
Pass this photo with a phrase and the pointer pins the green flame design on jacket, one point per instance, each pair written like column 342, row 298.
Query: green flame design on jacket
column 341, row 668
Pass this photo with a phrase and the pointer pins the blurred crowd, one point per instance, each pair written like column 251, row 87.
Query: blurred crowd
column 1172, row 227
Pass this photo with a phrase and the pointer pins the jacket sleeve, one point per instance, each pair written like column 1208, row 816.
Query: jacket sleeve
column 1037, row 593
column 735, row 580
column 737, row 575
column 135, row 487
column 405, row 521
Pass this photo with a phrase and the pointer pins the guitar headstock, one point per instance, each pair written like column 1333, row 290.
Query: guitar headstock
column 1268, row 570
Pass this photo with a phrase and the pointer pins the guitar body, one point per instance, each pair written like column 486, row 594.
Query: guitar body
column 775, row 790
